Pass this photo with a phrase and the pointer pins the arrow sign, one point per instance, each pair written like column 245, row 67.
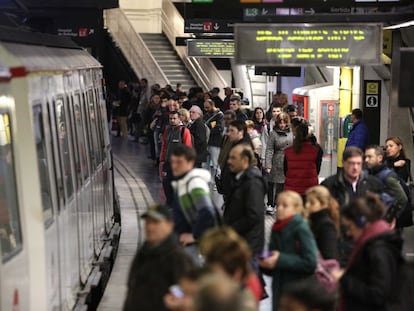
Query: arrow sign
column 310, row 11
column 216, row 26
column 264, row 11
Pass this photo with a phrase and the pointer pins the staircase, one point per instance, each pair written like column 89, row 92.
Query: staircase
column 168, row 60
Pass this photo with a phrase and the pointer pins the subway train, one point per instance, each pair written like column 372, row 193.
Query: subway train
column 57, row 213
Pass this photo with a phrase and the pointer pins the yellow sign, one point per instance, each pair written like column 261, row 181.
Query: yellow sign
column 372, row 88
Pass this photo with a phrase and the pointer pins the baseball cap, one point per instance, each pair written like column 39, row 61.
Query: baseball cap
column 235, row 97
column 158, row 212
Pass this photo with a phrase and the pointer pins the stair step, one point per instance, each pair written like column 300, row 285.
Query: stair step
column 167, row 59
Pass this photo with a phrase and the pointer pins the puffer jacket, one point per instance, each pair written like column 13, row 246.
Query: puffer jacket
column 302, row 169
column 196, row 211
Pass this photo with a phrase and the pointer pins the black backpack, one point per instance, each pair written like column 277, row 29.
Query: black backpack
column 406, row 217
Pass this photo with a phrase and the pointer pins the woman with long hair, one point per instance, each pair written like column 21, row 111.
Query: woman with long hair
column 323, row 214
column 259, row 120
column 397, row 157
column 303, row 159
column 280, row 138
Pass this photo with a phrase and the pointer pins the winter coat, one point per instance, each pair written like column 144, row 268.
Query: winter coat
column 196, row 211
column 244, row 208
column 326, row 236
column 198, row 130
column 404, row 171
column 152, row 272
column 302, row 169
column 215, row 121
column 367, row 284
column 298, row 255
column 275, row 154
column 358, row 136
column 342, row 190
column 174, row 135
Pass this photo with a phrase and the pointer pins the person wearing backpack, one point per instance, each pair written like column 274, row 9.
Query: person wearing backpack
column 374, row 160
column 199, row 132
column 371, row 275
column 174, row 134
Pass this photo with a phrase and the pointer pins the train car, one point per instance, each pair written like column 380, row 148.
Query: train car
column 56, row 183
column 319, row 104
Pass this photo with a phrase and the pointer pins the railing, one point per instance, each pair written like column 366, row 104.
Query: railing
column 133, row 47
column 203, row 70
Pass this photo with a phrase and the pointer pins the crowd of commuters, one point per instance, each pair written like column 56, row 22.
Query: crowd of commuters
column 198, row 256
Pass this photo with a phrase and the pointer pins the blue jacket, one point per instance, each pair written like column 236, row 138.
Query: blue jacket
column 358, row 136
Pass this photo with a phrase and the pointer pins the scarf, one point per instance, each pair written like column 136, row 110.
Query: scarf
column 279, row 225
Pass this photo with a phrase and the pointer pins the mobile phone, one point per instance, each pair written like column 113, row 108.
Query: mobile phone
column 176, row 291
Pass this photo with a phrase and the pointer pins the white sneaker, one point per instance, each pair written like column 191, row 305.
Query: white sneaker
column 270, row 210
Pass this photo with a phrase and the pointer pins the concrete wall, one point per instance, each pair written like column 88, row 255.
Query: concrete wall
column 145, row 15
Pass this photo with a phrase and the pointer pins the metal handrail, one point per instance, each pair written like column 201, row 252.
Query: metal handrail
column 203, row 70
column 133, row 47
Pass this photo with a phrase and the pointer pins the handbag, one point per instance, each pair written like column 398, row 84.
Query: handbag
column 323, row 273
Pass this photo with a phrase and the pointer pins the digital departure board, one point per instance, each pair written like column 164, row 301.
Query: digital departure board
column 215, row 48
column 302, row 44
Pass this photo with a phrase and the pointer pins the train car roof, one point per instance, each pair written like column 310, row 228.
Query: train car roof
column 37, row 52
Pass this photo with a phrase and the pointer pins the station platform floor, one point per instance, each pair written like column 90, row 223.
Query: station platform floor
column 138, row 187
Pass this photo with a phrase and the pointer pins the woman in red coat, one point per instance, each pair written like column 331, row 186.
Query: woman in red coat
column 302, row 160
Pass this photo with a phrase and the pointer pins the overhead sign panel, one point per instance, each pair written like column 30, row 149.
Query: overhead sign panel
column 210, row 48
column 294, row 44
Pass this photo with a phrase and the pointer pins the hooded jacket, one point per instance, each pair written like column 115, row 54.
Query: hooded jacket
column 244, row 207
column 196, row 211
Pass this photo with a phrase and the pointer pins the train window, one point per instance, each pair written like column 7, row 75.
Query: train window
column 74, row 141
column 10, row 231
column 43, row 163
column 81, row 138
column 62, row 131
column 94, row 130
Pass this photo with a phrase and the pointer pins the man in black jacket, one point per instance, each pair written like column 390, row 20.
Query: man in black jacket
column 347, row 184
column 157, row 265
column 215, row 122
column 199, row 132
column 244, row 206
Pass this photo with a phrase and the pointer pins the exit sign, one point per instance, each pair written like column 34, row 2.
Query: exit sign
column 203, row 1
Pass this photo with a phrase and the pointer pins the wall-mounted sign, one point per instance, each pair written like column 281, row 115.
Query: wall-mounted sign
column 210, row 48
column 324, row 44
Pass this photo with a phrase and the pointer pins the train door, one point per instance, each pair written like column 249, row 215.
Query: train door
column 67, row 205
column 101, row 132
column 82, row 169
column 46, row 168
column 108, row 154
column 14, row 264
column 99, row 206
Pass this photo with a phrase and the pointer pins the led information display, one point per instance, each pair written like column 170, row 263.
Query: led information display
column 210, row 48
column 325, row 44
